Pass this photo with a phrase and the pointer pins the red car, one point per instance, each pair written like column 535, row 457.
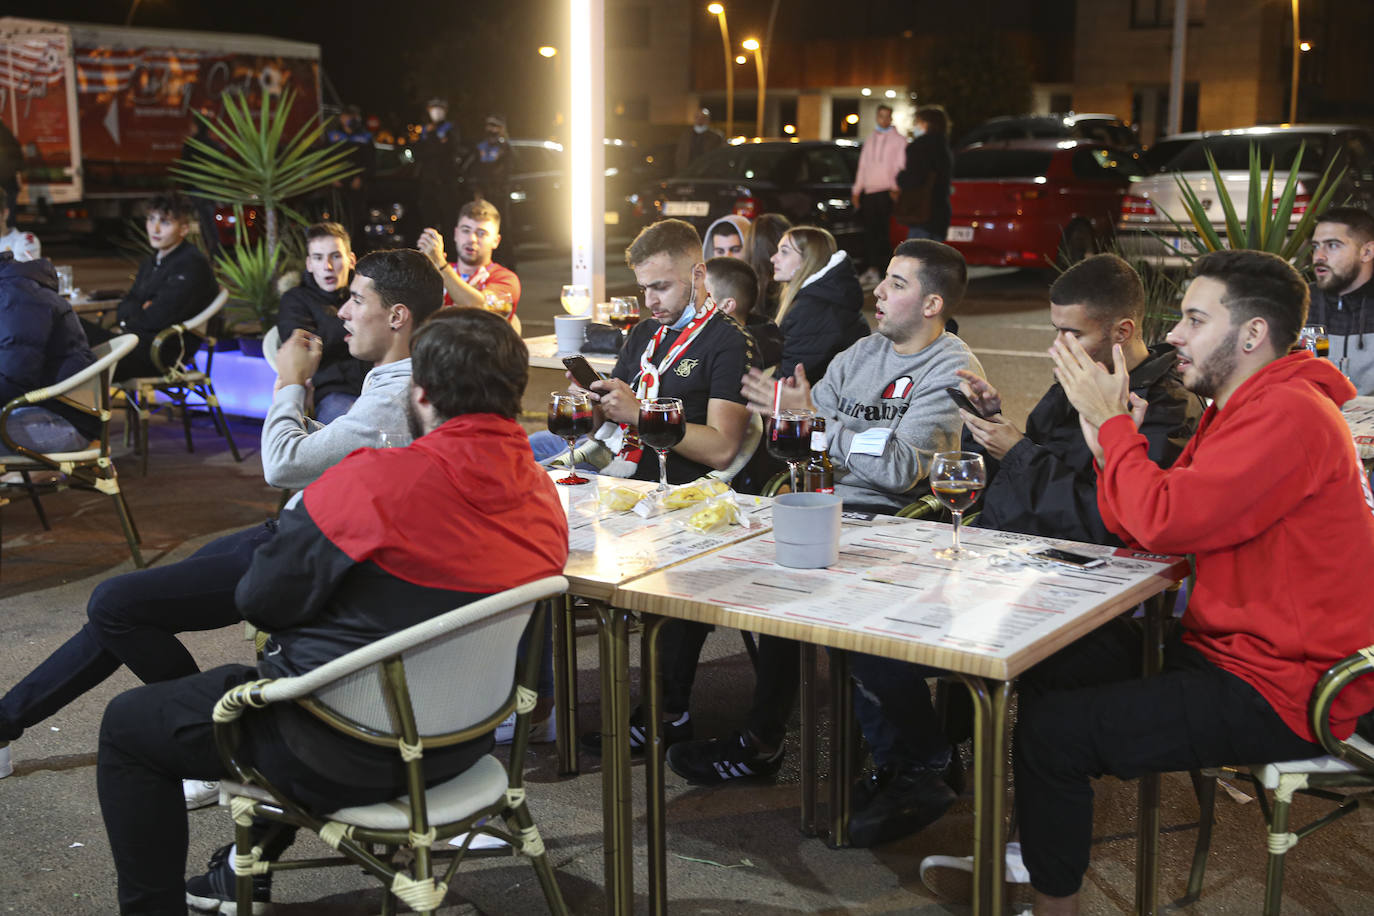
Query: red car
column 1036, row 203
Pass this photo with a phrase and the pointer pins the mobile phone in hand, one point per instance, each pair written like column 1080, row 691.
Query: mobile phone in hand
column 582, row 371
column 961, row 399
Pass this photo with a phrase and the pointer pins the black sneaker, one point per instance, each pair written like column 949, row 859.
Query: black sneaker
column 714, row 761
column 213, row 892
column 671, row 732
column 908, row 801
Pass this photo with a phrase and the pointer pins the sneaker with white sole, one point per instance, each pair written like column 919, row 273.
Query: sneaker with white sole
column 199, row 793
column 951, row 877
column 544, row 732
column 6, row 765
column 214, row 892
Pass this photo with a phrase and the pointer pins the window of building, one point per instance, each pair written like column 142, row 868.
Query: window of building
column 1159, row 14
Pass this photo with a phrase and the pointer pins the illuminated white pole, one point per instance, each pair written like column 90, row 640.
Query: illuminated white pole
column 586, row 147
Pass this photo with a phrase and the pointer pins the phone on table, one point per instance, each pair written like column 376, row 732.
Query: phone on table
column 961, row 399
column 1068, row 558
column 582, row 371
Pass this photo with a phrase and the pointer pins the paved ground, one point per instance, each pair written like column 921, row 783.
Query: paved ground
column 732, row 850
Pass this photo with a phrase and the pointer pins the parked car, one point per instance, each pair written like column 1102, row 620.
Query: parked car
column 1036, row 203
column 806, row 181
column 1144, row 230
column 1106, row 129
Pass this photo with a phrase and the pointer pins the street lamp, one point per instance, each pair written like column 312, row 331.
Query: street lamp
column 718, row 10
column 1293, row 88
column 547, row 51
column 752, row 44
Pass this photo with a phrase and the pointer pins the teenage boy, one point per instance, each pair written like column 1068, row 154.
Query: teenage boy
column 468, row 279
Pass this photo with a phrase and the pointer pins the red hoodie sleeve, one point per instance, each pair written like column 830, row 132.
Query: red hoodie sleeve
column 1251, row 469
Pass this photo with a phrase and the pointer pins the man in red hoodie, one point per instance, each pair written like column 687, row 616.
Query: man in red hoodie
column 1267, row 484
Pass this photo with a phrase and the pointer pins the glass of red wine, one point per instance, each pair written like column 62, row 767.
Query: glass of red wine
column 957, row 479
column 789, row 439
column 661, row 426
column 570, row 417
column 624, row 313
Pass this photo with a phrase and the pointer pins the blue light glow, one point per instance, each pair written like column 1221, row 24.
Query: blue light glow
column 243, row 384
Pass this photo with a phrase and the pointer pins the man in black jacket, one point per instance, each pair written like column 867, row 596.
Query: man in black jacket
column 1343, row 262
column 173, row 284
column 314, row 306
column 1041, row 482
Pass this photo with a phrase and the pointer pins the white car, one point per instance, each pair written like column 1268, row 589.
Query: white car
column 1154, row 198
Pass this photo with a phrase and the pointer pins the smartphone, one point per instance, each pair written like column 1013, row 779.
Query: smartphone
column 958, row 397
column 582, row 371
column 1066, row 558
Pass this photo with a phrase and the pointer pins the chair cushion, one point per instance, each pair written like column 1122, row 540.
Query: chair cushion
column 479, row 786
column 1269, row 773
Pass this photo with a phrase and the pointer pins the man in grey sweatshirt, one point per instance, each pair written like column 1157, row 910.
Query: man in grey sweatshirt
column 887, row 415
column 134, row 618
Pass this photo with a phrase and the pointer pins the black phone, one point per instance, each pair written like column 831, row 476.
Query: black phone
column 1068, row 558
column 582, row 371
column 958, row 397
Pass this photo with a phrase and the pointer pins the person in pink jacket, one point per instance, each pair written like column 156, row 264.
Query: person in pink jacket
column 875, row 188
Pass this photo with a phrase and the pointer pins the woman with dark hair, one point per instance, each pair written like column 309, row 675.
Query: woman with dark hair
column 924, row 203
column 820, row 311
column 760, row 245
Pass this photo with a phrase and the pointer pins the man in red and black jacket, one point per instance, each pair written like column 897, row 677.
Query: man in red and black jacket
column 384, row 540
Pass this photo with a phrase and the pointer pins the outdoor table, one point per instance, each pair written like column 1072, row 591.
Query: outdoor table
column 1359, row 413
column 96, row 307
column 608, row 549
column 544, row 355
column 985, row 620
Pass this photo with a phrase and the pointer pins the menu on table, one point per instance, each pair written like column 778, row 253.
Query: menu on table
column 1359, row 413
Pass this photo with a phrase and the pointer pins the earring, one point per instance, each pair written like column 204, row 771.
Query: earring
column 1247, row 348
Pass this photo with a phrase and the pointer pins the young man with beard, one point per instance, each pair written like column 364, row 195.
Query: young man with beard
column 1343, row 261
column 474, row 273
column 1266, row 486
column 314, row 307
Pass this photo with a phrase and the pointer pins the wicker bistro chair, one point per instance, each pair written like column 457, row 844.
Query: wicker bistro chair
column 438, row 683
column 271, row 343
column 88, row 469
column 1349, row 764
column 179, row 381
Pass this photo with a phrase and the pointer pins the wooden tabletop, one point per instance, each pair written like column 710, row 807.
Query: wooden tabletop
column 89, row 306
column 544, row 355
column 890, row 595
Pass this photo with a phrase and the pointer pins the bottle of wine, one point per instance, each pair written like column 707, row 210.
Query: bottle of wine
column 818, row 476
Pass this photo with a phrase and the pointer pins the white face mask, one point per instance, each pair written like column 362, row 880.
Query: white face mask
column 882, row 130
column 436, row 114
column 699, row 128
column 917, row 131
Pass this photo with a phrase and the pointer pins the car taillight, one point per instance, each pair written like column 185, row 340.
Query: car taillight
column 747, row 206
column 1133, row 205
column 1301, row 200
column 1026, row 194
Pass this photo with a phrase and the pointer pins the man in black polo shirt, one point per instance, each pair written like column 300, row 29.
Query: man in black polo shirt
column 174, row 283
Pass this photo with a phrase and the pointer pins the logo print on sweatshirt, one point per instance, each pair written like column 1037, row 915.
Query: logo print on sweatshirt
column 685, row 366
column 898, row 388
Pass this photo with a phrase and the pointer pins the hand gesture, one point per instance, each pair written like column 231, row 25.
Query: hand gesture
column 298, row 358
column 995, row 435
column 618, row 401
column 1097, row 395
column 431, row 245
column 982, row 394
column 759, row 389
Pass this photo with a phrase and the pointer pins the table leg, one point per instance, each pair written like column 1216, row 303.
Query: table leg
column 842, row 748
column 1147, row 824
column 810, row 822
column 990, row 792
column 651, row 688
column 617, row 810
column 565, row 684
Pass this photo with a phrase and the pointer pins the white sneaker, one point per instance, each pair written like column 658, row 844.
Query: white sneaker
column 199, row 793
column 951, row 877
column 6, row 767
column 545, row 732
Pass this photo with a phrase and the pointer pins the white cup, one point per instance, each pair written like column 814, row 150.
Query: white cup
column 571, row 332
column 806, row 529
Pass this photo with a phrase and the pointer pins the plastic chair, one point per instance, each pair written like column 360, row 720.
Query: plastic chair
column 179, row 381
column 1349, row 764
column 441, row 682
column 271, row 343
column 88, row 469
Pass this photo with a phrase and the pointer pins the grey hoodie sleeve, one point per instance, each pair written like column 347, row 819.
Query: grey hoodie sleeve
column 296, row 449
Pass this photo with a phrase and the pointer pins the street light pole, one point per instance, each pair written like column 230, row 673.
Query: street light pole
column 752, row 44
column 718, row 10
column 1293, row 88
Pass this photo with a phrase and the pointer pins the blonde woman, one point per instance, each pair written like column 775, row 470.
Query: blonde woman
column 820, row 311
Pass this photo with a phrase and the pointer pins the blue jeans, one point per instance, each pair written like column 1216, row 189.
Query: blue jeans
column 133, row 620
column 332, row 406
column 44, row 431
column 893, row 706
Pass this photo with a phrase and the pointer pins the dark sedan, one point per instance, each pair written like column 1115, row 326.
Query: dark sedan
column 806, row 181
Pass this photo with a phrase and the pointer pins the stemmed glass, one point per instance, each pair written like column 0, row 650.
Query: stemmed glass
column 661, row 426
column 1313, row 337
column 789, row 439
column 576, row 299
column 957, row 479
column 624, row 313
column 570, row 417
column 499, row 301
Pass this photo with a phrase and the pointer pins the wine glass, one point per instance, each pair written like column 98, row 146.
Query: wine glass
column 957, row 479
column 570, row 416
column 624, row 313
column 499, row 301
column 661, row 426
column 388, row 440
column 789, row 439
column 576, row 299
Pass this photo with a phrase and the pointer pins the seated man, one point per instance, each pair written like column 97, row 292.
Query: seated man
column 1343, row 263
column 134, row 618
column 725, row 238
column 468, row 280
column 41, row 342
column 384, row 540
column 732, row 286
column 314, row 307
column 23, row 245
column 173, row 284
column 887, row 414
column 1266, row 486
column 1040, row 482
